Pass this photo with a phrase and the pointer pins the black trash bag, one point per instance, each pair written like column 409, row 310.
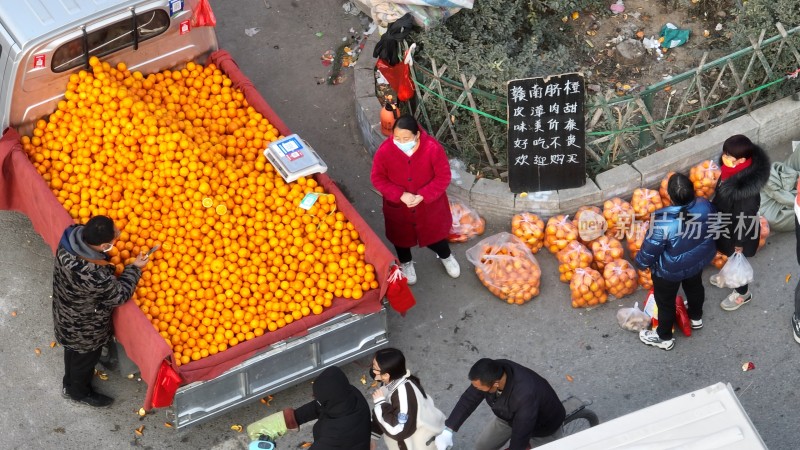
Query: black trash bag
column 388, row 48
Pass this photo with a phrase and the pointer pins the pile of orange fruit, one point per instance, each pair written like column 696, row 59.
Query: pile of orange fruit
column 174, row 158
column 574, row 256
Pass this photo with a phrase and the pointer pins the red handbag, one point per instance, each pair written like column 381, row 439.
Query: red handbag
column 167, row 383
column 682, row 316
column 399, row 78
column 203, row 16
column 398, row 293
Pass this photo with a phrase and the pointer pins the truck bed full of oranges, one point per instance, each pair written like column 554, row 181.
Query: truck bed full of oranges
column 174, row 158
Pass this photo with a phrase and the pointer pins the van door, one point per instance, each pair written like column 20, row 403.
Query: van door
column 6, row 85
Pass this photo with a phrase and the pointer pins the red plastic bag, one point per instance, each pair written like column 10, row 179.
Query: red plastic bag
column 682, row 316
column 203, row 16
column 399, row 78
column 167, row 383
column 398, row 293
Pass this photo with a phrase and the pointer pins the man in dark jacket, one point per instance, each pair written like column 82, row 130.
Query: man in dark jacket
column 85, row 292
column 677, row 248
column 341, row 411
column 526, row 408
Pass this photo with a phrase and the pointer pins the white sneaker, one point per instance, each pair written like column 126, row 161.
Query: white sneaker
column 452, row 267
column 409, row 272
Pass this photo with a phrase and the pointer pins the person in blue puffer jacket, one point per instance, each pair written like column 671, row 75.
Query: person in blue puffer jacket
column 677, row 248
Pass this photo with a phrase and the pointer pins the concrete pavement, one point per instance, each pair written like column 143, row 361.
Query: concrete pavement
column 454, row 323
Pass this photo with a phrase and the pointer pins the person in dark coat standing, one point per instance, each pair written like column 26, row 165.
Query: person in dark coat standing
column 676, row 249
column 341, row 411
column 526, row 409
column 411, row 171
column 85, row 293
column 745, row 170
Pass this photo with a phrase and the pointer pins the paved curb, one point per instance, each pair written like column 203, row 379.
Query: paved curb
column 768, row 126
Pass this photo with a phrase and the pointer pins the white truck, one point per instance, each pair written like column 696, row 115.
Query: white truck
column 43, row 42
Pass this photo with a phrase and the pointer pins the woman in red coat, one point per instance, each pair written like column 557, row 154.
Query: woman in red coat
column 412, row 173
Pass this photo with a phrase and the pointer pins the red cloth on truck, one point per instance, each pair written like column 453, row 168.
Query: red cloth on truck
column 24, row 190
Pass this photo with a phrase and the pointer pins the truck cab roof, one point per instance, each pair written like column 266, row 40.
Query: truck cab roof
column 29, row 20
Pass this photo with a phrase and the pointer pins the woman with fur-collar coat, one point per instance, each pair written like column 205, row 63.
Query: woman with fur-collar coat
column 745, row 170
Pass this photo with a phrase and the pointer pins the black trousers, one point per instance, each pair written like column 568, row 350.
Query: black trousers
column 665, row 292
column 442, row 249
column 78, row 372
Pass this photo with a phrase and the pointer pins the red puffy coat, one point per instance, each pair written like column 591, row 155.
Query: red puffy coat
column 425, row 173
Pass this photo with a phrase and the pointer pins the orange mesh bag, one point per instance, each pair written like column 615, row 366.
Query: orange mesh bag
column 559, row 232
column 590, row 223
column 606, row 249
column 645, row 202
column 636, row 237
column 704, row 177
column 530, row 229
column 763, row 233
column 587, row 288
column 574, row 256
column 645, row 280
column 719, row 260
column 621, row 278
column 619, row 216
column 662, row 190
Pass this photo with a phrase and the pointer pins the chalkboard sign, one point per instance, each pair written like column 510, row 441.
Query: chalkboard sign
column 546, row 133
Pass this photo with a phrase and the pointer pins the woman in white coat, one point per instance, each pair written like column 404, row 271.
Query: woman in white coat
column 402, row 412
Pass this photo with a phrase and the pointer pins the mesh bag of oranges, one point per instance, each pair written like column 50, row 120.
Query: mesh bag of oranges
column 645, row 279
column 662, row 190
column 606, row 249
column 587, row 288
column 704, row 177
column 621, row 278
column 574, row 256
column 559, row 232
column 645, row 202
column 636, row 236
column 506, row 266
column 719, row 260
column 530, row 229
column 763, row 232
column 619, row 216
column 175, row 159
column 466, row 222
column 590, row 223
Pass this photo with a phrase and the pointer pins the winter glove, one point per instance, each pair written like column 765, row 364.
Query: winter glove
column 444, row 441
column 274, row 425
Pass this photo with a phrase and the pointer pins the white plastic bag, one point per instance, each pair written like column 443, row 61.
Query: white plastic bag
column 735, row 273
column 633, row 319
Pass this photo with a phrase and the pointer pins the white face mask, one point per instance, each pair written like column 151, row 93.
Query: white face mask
column 110, row 246
column 406, row 147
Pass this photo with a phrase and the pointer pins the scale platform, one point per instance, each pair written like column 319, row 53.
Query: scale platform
column 293, row 158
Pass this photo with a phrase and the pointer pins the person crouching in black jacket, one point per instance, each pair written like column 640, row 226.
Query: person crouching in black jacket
column 526, row 408
column 341, row 411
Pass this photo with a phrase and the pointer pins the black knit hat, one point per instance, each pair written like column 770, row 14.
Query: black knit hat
column 98, row 230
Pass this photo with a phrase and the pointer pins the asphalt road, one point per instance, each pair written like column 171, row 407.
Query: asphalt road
column 456, row 322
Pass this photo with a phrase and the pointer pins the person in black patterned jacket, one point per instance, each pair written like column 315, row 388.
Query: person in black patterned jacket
column 85, row 292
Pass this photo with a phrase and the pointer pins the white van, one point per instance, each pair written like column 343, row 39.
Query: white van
column 43, row 42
